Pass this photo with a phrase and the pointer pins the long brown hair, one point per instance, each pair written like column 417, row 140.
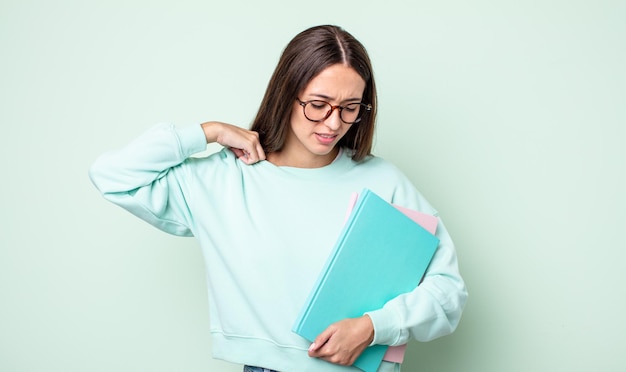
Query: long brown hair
column 306, row 55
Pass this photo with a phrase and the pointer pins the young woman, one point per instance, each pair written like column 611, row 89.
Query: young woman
column 268, row 208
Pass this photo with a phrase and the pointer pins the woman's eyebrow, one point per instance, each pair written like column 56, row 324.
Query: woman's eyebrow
column 327, row 98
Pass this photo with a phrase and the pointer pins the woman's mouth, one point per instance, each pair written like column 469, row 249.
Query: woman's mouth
column 325, row 138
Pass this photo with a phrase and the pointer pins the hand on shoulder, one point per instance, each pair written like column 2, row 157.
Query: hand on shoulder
column 245, row 144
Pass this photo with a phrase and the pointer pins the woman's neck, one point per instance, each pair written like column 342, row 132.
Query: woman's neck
column 282, row 159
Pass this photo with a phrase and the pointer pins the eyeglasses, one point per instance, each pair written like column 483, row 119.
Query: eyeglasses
column 316, row 110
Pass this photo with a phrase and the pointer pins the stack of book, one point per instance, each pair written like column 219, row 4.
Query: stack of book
column 383, row 251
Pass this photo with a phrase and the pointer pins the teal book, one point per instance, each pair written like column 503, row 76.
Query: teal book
column 380, row 254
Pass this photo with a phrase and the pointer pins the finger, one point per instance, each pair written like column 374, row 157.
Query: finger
column 319, row 342
column 243, row 155
column 238, row 152
column 253, row 149
column 256, row 153
column 260, row 151
column 252, row 154
column 250, row 157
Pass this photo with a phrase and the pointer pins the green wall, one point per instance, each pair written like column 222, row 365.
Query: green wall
column 509, row 116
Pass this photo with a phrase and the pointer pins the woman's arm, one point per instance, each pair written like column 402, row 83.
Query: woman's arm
column 144, row 176
column 147, row 176
column 431, row 310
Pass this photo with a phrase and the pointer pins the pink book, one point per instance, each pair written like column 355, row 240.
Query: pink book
column 429, row 222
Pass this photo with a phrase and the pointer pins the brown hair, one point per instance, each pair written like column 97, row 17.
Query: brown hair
column 306, row 55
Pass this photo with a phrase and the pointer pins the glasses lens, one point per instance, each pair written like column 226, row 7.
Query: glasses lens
column 320, row 110
column 316, row 110
column 351, row 113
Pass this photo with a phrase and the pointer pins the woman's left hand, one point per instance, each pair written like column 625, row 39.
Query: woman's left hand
column 343, row 342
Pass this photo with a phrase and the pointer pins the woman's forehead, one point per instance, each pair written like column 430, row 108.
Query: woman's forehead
column 336, row 82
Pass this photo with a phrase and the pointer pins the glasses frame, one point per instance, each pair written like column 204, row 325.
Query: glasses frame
column 366, row 107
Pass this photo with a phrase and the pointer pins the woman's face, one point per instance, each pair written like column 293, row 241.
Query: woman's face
column 313, row 144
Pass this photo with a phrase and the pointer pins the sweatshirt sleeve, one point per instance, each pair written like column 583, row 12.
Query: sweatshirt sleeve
column 144, row 177
column 433, row 309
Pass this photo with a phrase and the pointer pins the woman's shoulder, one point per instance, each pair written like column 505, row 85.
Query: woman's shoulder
column 374, row 162
column 220, row 160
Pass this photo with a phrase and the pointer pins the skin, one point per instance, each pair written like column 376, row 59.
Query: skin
column 310, row 145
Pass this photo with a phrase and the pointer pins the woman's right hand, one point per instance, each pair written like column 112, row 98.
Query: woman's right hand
column 245, row 144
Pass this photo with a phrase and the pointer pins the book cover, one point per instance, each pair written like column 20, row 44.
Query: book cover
column 395, row 354
column 429, row 222
column 380, row 254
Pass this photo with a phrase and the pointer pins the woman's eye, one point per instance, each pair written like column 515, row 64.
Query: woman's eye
column 352, row 108
column 318, row 105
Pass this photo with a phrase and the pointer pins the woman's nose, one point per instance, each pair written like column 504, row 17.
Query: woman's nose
column 334, row 120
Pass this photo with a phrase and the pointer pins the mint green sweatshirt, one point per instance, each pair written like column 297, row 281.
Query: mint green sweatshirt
column 265, row 233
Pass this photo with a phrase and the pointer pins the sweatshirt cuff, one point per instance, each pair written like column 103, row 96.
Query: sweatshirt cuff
column 383, row 321
column 191, row 139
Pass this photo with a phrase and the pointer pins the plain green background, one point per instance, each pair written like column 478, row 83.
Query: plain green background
column 508, row 115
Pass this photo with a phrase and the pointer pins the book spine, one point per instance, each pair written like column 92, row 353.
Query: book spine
column 306, row 308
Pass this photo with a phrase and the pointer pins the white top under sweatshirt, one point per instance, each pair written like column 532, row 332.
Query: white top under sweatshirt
column 265, row 233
